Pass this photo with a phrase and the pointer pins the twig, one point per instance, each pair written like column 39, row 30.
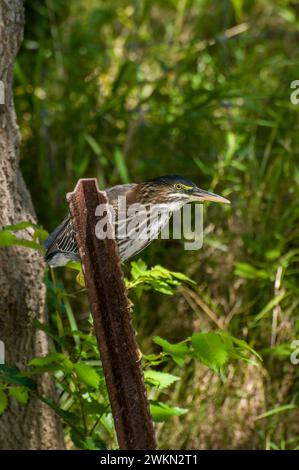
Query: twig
column 206, row 309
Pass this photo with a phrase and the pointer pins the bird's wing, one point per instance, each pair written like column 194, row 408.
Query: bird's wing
column 120, row 190
column 62, row 239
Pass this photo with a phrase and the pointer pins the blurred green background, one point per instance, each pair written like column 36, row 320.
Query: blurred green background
column 128, row 90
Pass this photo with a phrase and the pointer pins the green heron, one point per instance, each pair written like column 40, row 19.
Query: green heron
column 170, row 192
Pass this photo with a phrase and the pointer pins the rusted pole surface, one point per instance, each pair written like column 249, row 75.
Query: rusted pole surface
column 112, row 321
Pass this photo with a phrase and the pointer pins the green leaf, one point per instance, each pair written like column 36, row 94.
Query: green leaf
column 20, row 394
column 240, row 343
column 161, row 412
column 158, row 272
column 74, row 265
column 87, row 374
column 47, row 368
column 67, row 365
column 177, row 351
column 210, row 349
column 280, row 351
column 121, row 165
column 9, row 239
column 87, row 443
column 155, row 359
column 138, row 268
column 20, row 226
column 3, row 402
column 13, row 375
column 157, row 278
column 272, row 254
column 183, row 277
column 162, row 287
column 80, row 279
column 238, row 7
column 71, row 317
column 250, row 272
column 51, row 363
column 274, row 411
column 159, row 379
column 270, row 305
column 93, row 144
column 51, row 358
column 40, row 233
column 94, row 407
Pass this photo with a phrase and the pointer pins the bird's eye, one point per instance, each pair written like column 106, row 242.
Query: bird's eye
column 178, row 186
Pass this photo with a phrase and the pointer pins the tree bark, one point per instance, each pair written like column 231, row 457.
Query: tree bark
column 22, row 291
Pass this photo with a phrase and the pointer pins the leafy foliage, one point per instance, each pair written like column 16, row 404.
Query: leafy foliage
column 161, row 412
column 212, row 349
column 8, row 238
column 157, row 278
column 129, row 90
column 78, row 372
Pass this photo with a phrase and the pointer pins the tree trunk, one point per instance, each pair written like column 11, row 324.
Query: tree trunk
column 22, row 292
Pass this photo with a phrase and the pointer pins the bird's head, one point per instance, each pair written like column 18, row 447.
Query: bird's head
column 173, row 189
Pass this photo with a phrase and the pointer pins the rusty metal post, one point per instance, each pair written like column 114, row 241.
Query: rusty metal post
column 112, row 321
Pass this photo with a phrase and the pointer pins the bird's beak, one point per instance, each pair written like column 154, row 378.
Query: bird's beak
column 201, row 195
